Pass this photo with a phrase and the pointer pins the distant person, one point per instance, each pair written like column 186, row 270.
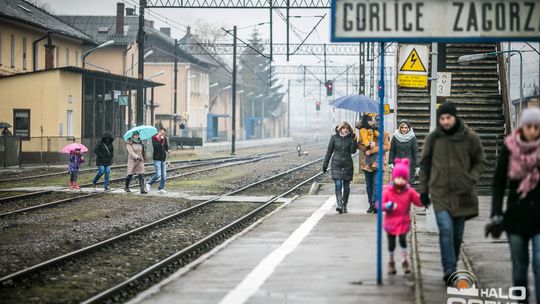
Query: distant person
column 518, row 168
column 75, row 160
column 136, row 158
column 161, row 148
column 104, row 151
column 371, row 175
column 6, row 132
column 341, row 146
column 450, row 169
column 397, row 199
column 404, row 145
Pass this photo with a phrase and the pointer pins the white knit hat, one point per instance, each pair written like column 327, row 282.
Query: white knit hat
column 530, row 116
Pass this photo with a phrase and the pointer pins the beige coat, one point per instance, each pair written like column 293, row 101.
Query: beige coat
column 136, row 157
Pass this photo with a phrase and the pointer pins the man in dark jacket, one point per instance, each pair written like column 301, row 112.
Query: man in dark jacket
column 161, row 148
column 104, row 154
column 450, row 168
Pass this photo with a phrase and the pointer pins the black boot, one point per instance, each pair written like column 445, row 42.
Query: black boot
column 141, row 184
column 345, row 200
column 128, row 181
column 371, row 208
column 339, row 202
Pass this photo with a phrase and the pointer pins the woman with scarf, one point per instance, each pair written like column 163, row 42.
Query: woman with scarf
column 341, row 146
column 518, row 167
column 404, row 145
column 135, row 165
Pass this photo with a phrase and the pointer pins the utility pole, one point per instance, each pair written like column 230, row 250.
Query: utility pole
column 304, row 81
column 271, row 32
column 324, row 47
column 288, row 28
column 175, row 110
column 140, row 46
column 289, row 108
column 233, row 120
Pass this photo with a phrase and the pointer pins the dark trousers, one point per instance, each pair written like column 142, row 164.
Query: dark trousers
column 344, row 187
column 371, row 186
column 519, row 250
column 392, row 241
column 73, row 176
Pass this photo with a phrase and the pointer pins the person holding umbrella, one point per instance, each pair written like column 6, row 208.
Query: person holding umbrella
column 136, row 158
column 75, row 151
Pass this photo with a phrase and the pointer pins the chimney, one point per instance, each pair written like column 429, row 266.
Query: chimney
column 120, row 18
column 165, row 30
column 130, row 11
column 49, row 52
column 188, row 30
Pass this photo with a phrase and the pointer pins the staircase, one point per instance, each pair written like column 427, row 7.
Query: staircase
column 475, row 92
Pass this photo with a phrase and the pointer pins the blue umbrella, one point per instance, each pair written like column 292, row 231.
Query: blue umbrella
column 145, row 132
column 357, row 103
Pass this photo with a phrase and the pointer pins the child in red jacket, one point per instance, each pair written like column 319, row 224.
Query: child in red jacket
column 397, row 199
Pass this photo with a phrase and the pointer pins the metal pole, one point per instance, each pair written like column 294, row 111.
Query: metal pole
column 288, row 28
column 175, row 90
column 324, row 48
column 380, row 173
column 521, row 101
column 289, row 108
column 271, row 32
column 140, row 75
column 233, row 120
column 304, row 81
column 431, row 223
column 152, row 107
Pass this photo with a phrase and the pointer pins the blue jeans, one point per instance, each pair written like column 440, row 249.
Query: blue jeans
column 161, row 174
column 450, row 238
column 371, row 186
column 345, row 185
column 519, row 250
column 103, row 170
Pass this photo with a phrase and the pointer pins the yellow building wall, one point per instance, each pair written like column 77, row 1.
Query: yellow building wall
column 63, row 44
column 46, row 95
column 116, row 59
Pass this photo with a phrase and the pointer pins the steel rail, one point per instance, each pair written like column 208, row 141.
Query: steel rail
column 33, row 269
column 25, row 195
column 49, row 204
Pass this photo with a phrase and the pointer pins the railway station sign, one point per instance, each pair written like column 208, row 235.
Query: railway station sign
column 435, row 20
column 412, row 60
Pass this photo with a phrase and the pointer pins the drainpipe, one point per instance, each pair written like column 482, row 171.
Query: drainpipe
column 49, row 52
column 34, row 51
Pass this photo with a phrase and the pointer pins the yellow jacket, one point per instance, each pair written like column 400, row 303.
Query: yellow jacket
column 368, row 135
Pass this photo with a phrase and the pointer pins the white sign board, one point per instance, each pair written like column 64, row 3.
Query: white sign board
column 444, row 84
column 413, row 65
column 435, row 20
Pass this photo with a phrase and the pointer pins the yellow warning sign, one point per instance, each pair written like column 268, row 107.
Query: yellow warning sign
column 412, row 81
column 413, row 63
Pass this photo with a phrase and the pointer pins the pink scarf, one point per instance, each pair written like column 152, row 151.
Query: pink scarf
column 524, row 162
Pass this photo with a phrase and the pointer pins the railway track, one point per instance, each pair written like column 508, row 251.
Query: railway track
column 178, row 258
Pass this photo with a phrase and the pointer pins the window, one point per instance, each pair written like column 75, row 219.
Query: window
column 57, row 63
column 24, row 60
column 12, row 50
column 76, row 58
column 67, row 56
column 21, row 123
column 69, row 123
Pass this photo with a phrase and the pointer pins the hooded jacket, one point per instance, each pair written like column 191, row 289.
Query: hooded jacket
column 457, row 162
column 404, row 146
column 104, row 151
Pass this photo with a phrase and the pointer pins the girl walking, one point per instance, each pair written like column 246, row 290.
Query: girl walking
column 75, row 161
column 518, row 169
column 135, row 165
column 397, row 199
column 341, row 146
column 404, row 145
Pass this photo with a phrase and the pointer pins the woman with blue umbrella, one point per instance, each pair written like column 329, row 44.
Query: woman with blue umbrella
column 136, row 154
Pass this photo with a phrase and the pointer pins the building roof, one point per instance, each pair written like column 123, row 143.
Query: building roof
column 27, row 13
column 103, row 28
column 128, row 80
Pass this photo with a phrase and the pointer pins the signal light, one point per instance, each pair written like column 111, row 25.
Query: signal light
column 329, row 87
column 318, row 105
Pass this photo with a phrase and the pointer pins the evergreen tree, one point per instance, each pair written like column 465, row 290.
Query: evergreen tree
column 257, row 76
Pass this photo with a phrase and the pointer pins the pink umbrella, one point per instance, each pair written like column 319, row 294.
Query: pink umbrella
column 74, row 146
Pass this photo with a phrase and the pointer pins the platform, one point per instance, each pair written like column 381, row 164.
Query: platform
column 306, row 253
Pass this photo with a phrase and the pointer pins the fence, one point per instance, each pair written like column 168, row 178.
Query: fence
column 15, row 151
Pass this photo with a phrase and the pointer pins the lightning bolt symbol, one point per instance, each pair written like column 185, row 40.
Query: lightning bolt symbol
column 413, row 59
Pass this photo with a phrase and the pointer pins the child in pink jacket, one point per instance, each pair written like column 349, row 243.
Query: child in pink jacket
column 397, row 199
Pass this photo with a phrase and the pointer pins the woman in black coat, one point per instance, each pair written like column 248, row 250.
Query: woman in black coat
column 519, row 169
column 104, row 154
column 404, row 145
column 341, row 146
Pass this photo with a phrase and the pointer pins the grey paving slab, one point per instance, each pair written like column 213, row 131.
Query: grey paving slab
column 334, row 263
